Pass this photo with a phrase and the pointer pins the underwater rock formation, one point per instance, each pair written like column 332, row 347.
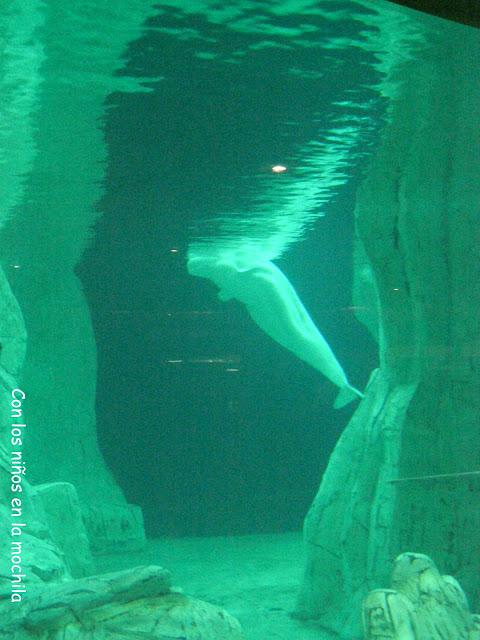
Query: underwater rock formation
column 13, row 343
column 41, row 558
column 421, row 604
column 38, row 557
column 364, row 295
column 58, row 502
column 135, row 603
column 47, row 603
column 418, row 219
column 54, row 83
column 58, row 65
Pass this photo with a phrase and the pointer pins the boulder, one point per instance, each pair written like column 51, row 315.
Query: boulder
column 135, row 603
column 421, row 604
column 61, row 508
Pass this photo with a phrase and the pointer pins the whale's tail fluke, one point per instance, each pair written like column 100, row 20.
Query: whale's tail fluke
column 346, row 395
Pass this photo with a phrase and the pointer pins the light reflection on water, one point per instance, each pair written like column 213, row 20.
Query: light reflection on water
column 354, row 50
column 342, row 52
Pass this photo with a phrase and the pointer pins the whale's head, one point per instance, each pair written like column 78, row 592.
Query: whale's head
column 219, row 270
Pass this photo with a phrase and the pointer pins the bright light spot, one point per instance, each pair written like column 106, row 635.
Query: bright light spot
column 15, row 266
column 232, row 369
column 174, row 250
column 395, row 289
column 279, row 168
column 174, row 361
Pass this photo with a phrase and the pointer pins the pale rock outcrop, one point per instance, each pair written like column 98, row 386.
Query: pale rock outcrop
column 418, row 218
column 54, row 84
column 42, row 560
column 135, row 603
column 421, row 604
column 58, row 501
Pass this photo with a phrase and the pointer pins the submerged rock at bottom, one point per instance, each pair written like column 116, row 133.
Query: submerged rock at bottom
column 136, row 604
column 421, row 605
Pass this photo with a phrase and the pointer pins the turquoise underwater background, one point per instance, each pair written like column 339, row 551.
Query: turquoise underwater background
column 239, row 285
column 228, row 451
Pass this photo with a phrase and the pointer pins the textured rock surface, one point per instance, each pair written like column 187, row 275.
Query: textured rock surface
column 167, row 617
column 13, row 335
column 12, row 352
column 42, row 560
column 421, row 604
column 418, row 218
column 355, row 497
column 61, row 508
column 113, row 527
column 365, row 296
column 136, row 603
column 54, row 86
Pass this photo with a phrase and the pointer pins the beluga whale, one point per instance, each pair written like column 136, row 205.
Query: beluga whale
column 275, row 307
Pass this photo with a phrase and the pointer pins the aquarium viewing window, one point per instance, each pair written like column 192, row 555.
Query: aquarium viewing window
column 239, row 339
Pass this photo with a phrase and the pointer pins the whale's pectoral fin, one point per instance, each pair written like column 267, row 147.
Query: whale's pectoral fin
column 345, row 396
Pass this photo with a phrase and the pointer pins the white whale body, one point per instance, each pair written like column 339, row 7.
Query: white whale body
column 274, row 305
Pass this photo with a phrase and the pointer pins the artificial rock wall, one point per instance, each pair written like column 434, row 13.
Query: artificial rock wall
column 59, row 66
column 418, row 218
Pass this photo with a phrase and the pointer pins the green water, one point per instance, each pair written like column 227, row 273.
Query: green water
column 216, row 222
